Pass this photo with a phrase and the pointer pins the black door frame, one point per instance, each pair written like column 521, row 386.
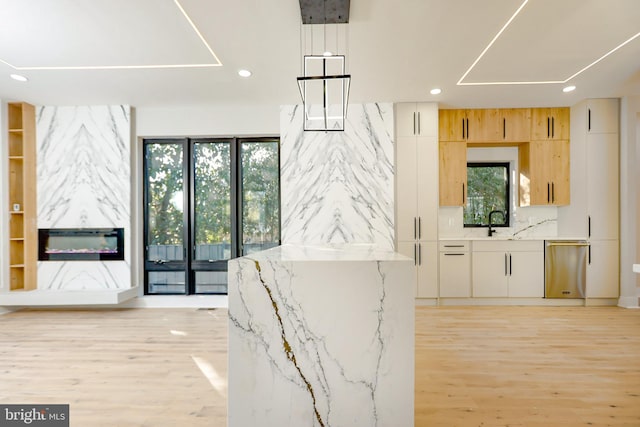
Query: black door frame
column 190, row 265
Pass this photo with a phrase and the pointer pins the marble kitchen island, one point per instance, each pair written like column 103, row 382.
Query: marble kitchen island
column 321, row 336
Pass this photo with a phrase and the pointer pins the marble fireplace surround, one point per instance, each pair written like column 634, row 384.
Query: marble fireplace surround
column 84, row 181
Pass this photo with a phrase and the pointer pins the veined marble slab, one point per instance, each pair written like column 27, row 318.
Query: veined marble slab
column 337, row 187
column 84, row 181
column 321, row 336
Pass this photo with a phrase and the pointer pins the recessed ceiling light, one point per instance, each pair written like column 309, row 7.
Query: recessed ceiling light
column 436, row 91
column 569, row 89
column 18, row 77
column 244, row 73
column 327, row 53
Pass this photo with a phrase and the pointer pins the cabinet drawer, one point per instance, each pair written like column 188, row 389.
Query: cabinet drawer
column 454, row 246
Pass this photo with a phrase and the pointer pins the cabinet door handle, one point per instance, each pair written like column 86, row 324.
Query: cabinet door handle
column 419, row 132
column 453, row 254
column 414, row 227
column 463, row 137
column 553, row 192
column 505, row 264
column 463, row 194
column 419, row 254
column 415, row 254
column 548, row 193
column 553, row 127
column 414, row 123
column 589, row 119
column 467, row 128
column 548, row 127
column 589, row 254
column 504, row 128
column 589, row 225
column 419, row 227
column 454, row 246
column 510, row 265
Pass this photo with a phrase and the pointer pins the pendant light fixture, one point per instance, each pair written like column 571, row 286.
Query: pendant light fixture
column 324, row 85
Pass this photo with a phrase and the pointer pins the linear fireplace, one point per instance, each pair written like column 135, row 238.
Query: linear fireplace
column 81, row 244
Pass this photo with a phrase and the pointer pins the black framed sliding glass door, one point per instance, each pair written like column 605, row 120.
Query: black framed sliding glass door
column 207, row 201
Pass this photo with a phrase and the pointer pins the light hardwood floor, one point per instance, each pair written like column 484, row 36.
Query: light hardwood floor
column 475, row 366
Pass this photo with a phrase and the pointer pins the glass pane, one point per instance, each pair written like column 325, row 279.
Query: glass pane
column 166, row 208
column 487, row 191
column 211, row 282
column 167, row 282
column 212, row 200
column 260, row 196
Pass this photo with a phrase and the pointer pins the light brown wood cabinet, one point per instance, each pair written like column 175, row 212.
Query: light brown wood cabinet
column 23, row 235
column 453, row 173
column 483, row 126
column 494, row 126
column 516, row 124
column 544, row 173
column 452, row 125
column 541, row 134
column 550, row 123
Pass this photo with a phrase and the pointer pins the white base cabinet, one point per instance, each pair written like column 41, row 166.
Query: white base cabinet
column 425, row 258
column 603, row 279
column 455, row 269
column 508, row 269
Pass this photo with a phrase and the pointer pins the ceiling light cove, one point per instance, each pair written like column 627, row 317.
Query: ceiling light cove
column 205, row 60
column 498, row 65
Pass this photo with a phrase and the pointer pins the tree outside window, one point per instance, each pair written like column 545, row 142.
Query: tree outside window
column 487, row 190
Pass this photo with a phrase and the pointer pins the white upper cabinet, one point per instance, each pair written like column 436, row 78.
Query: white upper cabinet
column 416, row 119
column 602, row 115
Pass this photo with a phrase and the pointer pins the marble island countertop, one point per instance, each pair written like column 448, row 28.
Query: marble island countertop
column 334, row 252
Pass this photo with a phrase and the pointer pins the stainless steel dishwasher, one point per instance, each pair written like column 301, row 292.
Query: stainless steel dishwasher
column 565, row 265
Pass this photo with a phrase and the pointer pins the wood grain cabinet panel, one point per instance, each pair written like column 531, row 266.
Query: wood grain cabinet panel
column 453, row 173
column 544, row 173
column 484, row 126
column 452, row 125
column 516, row 125
column 550, row 123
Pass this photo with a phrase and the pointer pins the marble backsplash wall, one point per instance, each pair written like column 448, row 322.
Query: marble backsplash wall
column 526, row 222
column 337, row 187
column 84, row 180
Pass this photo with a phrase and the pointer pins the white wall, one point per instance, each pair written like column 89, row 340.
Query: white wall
column 629, row 199
column 207, row 120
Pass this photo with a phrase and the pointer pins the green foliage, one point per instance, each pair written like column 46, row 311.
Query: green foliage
column 261, row 192
column 487, row 191
column 165, row 183
column 212, row 168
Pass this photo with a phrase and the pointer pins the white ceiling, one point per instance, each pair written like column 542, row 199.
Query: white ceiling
column 397, row 50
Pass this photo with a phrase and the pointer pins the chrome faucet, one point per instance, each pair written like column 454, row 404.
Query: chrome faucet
column 491, row 230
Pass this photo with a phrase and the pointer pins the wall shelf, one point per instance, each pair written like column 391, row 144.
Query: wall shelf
column 23, row 233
